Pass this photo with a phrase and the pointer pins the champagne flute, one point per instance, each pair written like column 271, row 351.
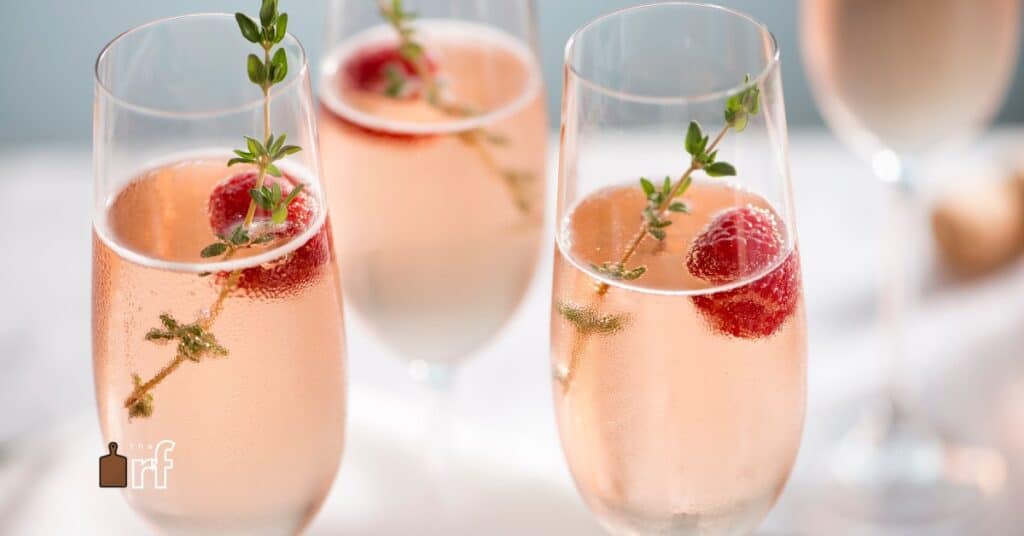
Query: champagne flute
column 677, row 326
column 218, row 341
column 433, row 136
column 898, row 80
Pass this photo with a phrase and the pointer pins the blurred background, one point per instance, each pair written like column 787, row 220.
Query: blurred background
column 51, row 100
column 966, row 358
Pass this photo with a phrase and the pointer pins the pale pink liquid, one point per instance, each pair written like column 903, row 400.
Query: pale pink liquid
column 910, row 73
column 258, row 434
column 668, row 426
column 435, row 247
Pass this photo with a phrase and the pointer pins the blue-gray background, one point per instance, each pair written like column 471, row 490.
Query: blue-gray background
column 49, row 47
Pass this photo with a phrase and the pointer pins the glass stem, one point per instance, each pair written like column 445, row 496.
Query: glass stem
column 435, row 398
column 899, row 292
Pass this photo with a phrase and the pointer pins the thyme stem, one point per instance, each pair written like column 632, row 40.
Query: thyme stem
column 394, row 12
column 274, row 27
column 680, row 188
column 681, row 185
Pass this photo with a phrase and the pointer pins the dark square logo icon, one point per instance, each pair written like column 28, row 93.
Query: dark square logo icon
column 113, row 469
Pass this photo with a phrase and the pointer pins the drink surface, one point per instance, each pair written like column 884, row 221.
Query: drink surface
column 257, row 433
column 670, row 426
column 911, row 72
column 437, row 240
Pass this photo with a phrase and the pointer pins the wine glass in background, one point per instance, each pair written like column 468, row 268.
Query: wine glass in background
column 217, row 332
column 898, row 80
column 433, row 136
column 677, row 326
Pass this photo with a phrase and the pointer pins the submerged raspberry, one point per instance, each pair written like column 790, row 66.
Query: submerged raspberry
column 227, row 208
column 737, row 244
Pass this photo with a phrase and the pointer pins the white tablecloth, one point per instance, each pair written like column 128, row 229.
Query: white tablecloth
column 508, row 476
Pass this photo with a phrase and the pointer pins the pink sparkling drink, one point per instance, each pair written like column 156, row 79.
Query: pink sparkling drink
column 257, row 433
column 686, row 418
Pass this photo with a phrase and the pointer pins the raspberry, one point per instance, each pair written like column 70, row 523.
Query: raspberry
column 382, row 68
column 229, row 202
column 737, row 244
column 376, row 69
column 227, row 208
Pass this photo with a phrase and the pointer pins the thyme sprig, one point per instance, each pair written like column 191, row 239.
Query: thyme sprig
column 195, row 341
column 615, row 270
column 412, row 50
column 238, row 239
column 589, row 320
column 703, row 151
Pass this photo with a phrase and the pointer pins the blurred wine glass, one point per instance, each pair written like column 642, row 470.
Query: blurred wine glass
column 433, row 135
column 434, row 140
column 899, row 81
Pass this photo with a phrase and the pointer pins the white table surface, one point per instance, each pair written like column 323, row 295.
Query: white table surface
column 508, row 476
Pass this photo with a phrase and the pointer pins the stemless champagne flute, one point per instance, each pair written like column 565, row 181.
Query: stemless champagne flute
column 896, row 80
column 677, row 326
column 433, row 137
column 218, row 340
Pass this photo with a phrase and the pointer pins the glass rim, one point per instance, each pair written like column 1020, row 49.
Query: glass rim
column 719, row 94
column 256, row 102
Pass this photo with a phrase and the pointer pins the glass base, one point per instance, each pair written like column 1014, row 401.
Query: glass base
column 891, row 468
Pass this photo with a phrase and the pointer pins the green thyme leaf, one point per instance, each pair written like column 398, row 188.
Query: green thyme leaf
column 720, row 169
column 213, row 250
column 411, row 51
column 293, row 194
column 280, row 63
column 169, row 322
column 274, row 146
column 739, row 107
column 255, row 147
column 257, row 72
column 647, row 186
column 261, row 199
column 679, row 207
column 396, row 82
column 587, row 320
column 281, row 28
column 272, row 169
column 248, row 28
column 143, row 405
column 240, row 236
column 280, row 214
column 635, row 273
column 267, row 12
column 694, row 135
column 615, row 270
